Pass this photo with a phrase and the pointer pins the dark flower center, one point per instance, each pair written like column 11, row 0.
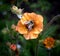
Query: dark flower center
column 29, row 25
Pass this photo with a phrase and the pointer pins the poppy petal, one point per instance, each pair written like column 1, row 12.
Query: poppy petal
column 36, row 18
column 36, row 30
column 21, row 28
column 30, row 36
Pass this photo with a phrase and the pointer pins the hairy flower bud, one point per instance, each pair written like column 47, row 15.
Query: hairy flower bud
column 17, row 11
column 14, row 9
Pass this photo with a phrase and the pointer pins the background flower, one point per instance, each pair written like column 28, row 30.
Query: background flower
column 13, row 47
column 49, row 42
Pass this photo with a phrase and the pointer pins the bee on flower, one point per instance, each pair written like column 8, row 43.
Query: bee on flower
column 49, row 42
column 30, row 24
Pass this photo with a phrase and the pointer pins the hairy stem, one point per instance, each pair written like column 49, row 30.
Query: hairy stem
column 52, row 20
column 37, row 45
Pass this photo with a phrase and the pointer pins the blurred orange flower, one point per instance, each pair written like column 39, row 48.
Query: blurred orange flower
column 49, row 42
column 30, row 25
column 13, row 47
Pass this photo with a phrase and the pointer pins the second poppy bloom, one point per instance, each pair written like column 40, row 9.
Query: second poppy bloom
column 30, row 25
column 49, row 42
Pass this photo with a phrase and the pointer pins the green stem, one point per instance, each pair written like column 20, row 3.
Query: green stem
column 16, row 2
column 49, row 52
column 51, row 21
column 37, row 45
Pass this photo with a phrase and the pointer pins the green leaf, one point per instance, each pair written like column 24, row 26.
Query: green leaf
column 49, row 31
column 4, row 7
column 42, row 51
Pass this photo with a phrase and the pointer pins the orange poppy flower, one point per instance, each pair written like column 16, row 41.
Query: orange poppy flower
column 30, row 25
column 49, row 42
column 13, row 47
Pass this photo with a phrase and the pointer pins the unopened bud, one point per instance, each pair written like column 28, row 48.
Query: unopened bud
column 14, row 9
column 13, row 26
column 5, row 31
column 8, row 43
column 17, row 11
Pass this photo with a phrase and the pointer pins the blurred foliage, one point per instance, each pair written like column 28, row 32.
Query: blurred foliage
column 41, row 6
column 27, row 47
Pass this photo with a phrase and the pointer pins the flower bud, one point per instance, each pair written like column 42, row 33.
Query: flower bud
column 14, row 9
column 5, row 31
column 13, row 26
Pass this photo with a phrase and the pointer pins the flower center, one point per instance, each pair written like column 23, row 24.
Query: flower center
column 29, row 25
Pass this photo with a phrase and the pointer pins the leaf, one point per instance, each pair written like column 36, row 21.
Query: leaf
column 4, row 7
column 56, row 51
column 45, row 21
column 42, row 51
column 49, row 31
